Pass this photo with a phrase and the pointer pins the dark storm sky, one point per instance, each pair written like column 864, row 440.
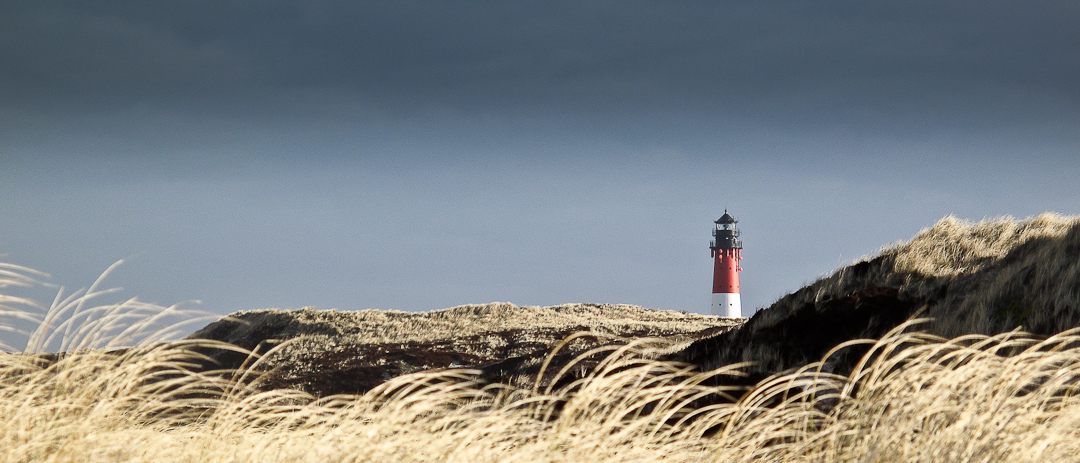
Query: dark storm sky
column 420, row 155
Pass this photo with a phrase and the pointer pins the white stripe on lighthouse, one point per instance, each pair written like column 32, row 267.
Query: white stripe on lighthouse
column 727, row 305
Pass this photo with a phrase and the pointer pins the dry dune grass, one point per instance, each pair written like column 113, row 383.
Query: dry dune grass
column 975, row 277
column 917, row 398
column 74, row 322
column 391, row 326
column 953, row 246
column 914, row 397
column 339, row 352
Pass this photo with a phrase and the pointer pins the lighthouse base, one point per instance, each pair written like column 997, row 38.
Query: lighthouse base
column 727, row 305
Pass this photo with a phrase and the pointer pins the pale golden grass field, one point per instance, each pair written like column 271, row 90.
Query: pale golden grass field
column 917, row 397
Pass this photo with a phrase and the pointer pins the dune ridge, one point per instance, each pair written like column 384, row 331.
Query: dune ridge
column 991, row 393
column 962, row 277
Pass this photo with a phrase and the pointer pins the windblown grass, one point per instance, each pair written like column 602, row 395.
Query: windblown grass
column 77, row 322
column 916, row 397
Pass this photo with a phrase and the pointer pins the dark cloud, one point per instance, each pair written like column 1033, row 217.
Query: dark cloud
column 775, row 60
column 420, row 155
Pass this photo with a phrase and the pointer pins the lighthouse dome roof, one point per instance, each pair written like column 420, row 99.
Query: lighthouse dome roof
column 726, row 219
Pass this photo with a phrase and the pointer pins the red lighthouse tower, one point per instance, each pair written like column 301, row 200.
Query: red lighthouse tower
column 726, row 249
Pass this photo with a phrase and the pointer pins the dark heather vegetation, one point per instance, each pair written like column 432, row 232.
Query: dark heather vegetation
column 325, row 352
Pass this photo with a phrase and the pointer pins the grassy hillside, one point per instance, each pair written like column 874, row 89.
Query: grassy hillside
column 910, row 396
column 974, row 277
column 381, row 326
column 963, row 277
column 326, row 352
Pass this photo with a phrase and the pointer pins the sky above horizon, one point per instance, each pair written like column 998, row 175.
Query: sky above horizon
column 421, row 155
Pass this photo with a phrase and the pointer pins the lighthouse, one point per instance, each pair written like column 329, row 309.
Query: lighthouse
column 726, row 249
